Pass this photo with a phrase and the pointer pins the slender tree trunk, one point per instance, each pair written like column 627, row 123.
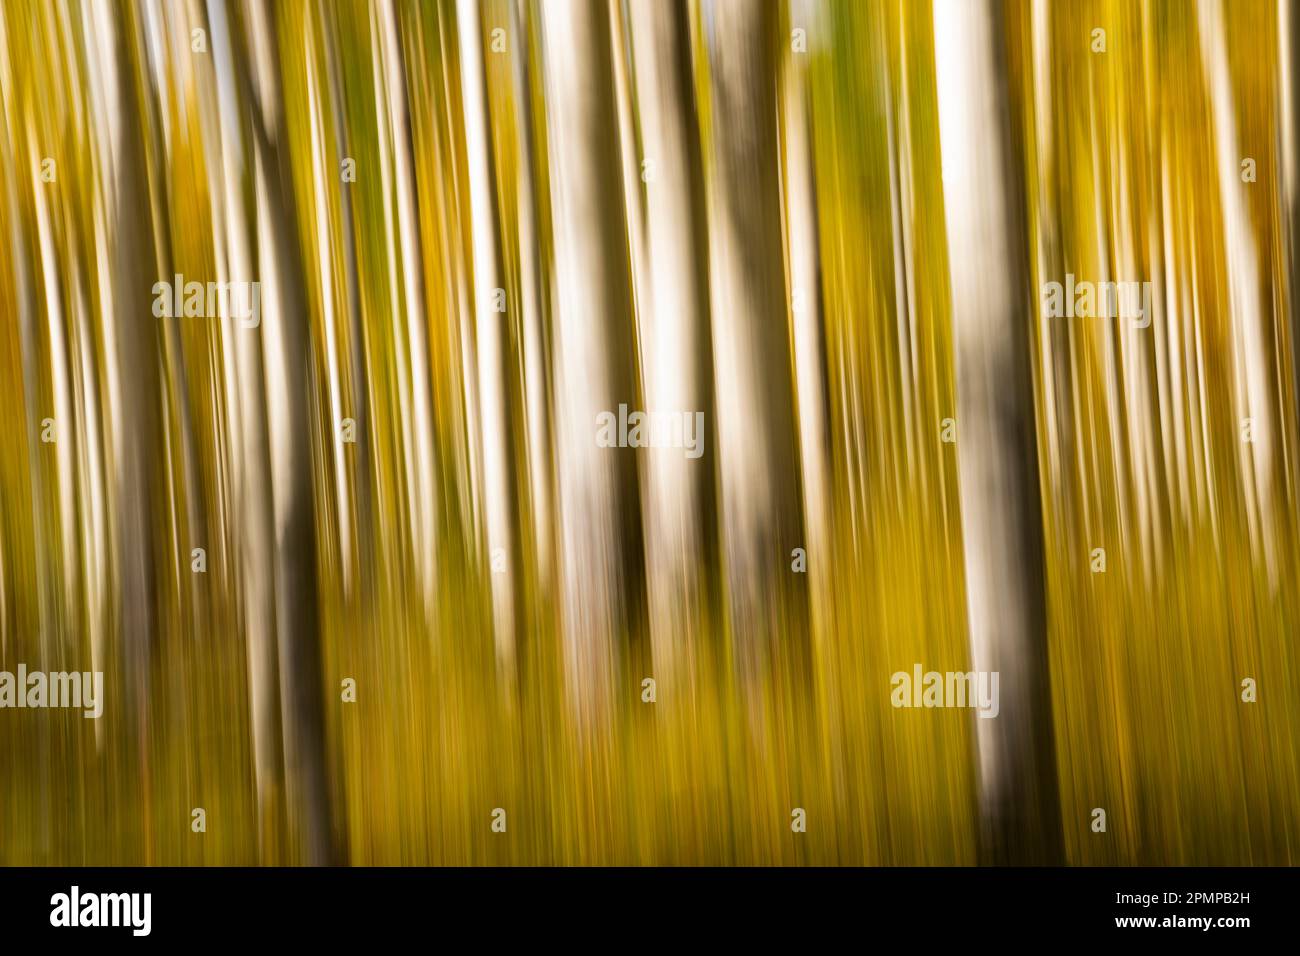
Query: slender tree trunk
column 28, row 337
column 756, row 420
column 1253, row 389
column 803, row 257
column 423, row 485
column 360, row 385
column 673, row 320
column 137, row 423
column 535, row 341
column 288, row 356
column 492, row 345
column 221, row 114
column 1289, row 61
column 997, row 456
column 599, row 525
column 324, row 176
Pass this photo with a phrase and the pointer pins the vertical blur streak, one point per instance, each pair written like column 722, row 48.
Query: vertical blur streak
column 802, row 251
column 289, row 374
column 760, row 493
column 672, row 319
column 996, row 459
column 1288, row 33
column 358, row 385
column 490, row 341
column 246, row 397
column 1251, row 391
column 600, row 529
column 422, row 491
column 536, row 342
column 325, row 265
column 136, row 398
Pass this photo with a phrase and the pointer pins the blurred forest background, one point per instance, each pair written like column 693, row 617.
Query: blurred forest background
column 475, row 226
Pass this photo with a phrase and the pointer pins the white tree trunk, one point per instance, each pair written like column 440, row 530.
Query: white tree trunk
column 673, row 321
column 997, row 458
column 599, row 524
column 491, row 341
column 756, row 424
column 1252, row 378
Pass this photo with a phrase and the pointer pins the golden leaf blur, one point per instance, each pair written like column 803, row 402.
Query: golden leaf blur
column 649, row 431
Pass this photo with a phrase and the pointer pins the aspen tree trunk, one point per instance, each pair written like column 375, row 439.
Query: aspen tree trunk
column 28, row 344
column 288, row 356
column 136, row 332
column 360, row 408
column 492, row 344
column 997, row 461
column 135, row 382
column 174, row 383
column 535, row 343
column 221, row 113
column 28, row 337
column 1252, row 380
column 673, row 320
column 602, row 565
column 324, row 176
column 803, row 257
column 759, row 449
column 1289, row 86
column 423, row 495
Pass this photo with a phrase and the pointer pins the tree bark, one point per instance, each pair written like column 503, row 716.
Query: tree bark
column 1289, row 62
column 997, row 456
column 602, row 564
column 673, row 322
column 756, row 420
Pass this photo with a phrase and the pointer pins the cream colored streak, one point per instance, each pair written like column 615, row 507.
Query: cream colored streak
column 802, row 254
column 65, row 416
column 406, row 507
column 997, row 455
column 246, row 392
column 490, row 333
column 761, row 506
column 425, row 495
column 536, row 356
column 1253, row 396
column 591, row 365
column 672, row 321
column 324, row 184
